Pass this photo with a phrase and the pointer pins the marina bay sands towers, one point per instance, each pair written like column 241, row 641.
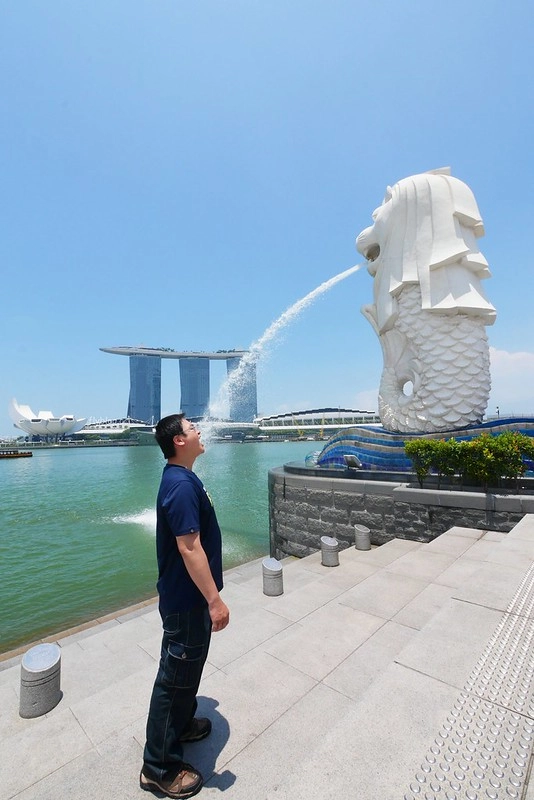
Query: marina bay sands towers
column 144, row 402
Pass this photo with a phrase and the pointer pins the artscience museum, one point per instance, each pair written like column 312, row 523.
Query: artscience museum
column 45, row 423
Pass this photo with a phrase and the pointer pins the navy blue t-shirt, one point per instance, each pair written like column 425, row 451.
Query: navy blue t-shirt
column 184, row 506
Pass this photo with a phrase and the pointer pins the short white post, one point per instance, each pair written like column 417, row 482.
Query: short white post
column 40, row 677
column 362, row 537
column 273, row 580
column 329, row 551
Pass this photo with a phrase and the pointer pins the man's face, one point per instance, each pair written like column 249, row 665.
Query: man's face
column 191, row 438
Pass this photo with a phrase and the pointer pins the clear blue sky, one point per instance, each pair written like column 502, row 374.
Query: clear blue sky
column 177, row 173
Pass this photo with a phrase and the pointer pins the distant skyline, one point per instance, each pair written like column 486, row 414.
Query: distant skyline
column 177, row 174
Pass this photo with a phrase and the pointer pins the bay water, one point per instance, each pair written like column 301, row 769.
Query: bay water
column 77, row 527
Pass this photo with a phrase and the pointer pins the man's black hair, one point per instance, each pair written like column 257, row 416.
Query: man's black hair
column 166, row 429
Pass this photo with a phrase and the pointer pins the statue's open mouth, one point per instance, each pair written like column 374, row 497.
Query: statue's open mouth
column 372, row 253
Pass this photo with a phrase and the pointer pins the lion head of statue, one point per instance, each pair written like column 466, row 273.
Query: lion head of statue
column 426, row 233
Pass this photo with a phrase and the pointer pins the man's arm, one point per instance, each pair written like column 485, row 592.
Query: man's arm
column 197, row 565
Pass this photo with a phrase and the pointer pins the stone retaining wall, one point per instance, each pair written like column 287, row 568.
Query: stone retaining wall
column 302, row 508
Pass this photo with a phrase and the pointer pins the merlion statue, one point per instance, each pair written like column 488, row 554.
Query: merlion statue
column 429, row 309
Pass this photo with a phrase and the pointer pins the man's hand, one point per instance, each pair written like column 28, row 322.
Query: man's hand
column 219, row 613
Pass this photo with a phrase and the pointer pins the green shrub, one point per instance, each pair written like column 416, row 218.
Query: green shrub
column 421, row 454
column 447, row 458
column 480, row 462
column 484, row 460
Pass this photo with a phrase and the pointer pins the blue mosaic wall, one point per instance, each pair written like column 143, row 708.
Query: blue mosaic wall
column 378, row 449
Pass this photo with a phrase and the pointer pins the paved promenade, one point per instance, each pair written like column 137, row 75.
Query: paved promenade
column 404, row 673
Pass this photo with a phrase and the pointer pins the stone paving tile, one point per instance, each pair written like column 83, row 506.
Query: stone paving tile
column 470, row 533
column 460, row 573
column 294, row 579
column 318, row 643
column 298, row 578
column 382, row 738
column 325, row 587
column 275, row 762
column 94, row 776
column 114, row 707
column 85, row 632
column 484, row 550
column 448, row 646
column 117, row 637
column 69, row 781
column 347, row 556
column 383, row 594
column 8, row 664
column 327, row 747
column 86, row 672
column 381, row 556
column 239, row 710
column 524, row 528
column 247, row 632
column 153, row 617
column 347, row 574
column 422, row 608
column 144, row 609
column 301, row 602
column 245, row 595
column 517, row 548
column 512, row 552
column 492, row 585
column 361, row 668
column 152, row 645
column 494, row 536
column 313, row 563
column 423, row 564
column 244, row 572
column 452, row 544
column 9, row 702
column 239, row 597
column 40, row 747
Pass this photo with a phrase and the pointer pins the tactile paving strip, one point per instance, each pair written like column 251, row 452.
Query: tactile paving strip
column 483, row 749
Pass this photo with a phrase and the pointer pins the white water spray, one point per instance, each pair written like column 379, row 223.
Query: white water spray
column 257, row 348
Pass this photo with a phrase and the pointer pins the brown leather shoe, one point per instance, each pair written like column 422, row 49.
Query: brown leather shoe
column 187, row 783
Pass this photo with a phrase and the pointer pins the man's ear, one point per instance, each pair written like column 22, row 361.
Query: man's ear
column 177, row 440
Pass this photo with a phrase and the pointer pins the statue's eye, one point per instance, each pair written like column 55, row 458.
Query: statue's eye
column 373, row 252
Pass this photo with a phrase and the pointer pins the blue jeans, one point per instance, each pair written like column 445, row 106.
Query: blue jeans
column 184, row 648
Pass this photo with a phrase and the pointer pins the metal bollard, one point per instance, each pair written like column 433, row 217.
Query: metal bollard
column 362, row 537
column 273, row 580
column 329, row 551
column 40, row 676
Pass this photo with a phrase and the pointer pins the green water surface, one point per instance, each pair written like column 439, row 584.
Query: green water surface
column 77, row 527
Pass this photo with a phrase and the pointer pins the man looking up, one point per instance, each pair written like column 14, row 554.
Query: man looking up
column 189, row 551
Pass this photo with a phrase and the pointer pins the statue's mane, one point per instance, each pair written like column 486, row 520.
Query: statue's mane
column 427, row 229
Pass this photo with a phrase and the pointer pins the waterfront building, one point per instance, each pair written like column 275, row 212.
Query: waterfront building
column 316, row 423
column 110, row 427
column 195, row 386
column 144, row 402
column 194, row 370
column 45, row 423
